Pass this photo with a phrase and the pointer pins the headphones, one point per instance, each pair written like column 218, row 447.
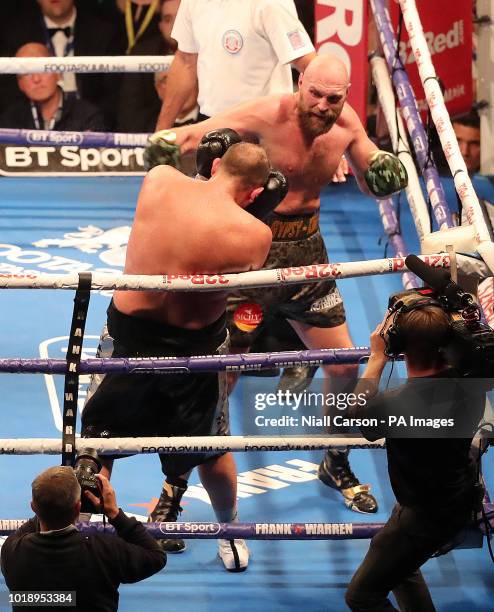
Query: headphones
column 393, row 337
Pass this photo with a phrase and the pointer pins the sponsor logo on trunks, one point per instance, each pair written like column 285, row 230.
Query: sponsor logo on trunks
column 188, row 528
column 314, row 271
column 293, row 230
column 232, row 41
column 327, row 302
column 248, row 316
column 296, row 39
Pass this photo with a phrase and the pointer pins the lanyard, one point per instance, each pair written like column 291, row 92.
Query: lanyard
column 129, row 22
column 39, row 122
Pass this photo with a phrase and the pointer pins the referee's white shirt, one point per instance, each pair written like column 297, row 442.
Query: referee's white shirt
column 244, row 48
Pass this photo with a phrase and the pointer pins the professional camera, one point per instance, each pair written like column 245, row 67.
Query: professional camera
column 86, row 466
column 471, row 348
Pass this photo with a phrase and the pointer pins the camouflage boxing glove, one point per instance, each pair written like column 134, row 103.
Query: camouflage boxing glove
column 386, row 174
column 162, row 149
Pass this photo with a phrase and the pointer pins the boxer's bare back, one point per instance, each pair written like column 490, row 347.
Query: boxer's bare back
column 190, row 228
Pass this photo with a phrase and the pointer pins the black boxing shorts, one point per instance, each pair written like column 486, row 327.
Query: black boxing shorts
column 297, row 241
column 129, row 405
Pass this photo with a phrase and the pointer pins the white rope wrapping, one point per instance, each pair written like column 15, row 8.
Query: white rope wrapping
column 86, row 64
column 399, row 140
column 447, row 136
column 187, row 444
column 223, row 282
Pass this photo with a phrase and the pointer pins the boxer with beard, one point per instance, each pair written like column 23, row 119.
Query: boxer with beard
column 305, row 135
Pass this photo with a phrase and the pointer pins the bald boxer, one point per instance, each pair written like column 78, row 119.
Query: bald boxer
column 305, row 134
column 187, row 227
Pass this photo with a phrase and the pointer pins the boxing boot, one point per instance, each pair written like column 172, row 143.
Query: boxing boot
column 167, row 510
column 297, row 378
column 234, row 554
column 335, row 472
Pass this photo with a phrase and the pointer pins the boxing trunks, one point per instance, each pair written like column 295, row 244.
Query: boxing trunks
column 129, row 405
column 297, row 241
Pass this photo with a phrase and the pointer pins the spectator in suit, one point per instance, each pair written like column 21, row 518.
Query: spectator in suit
column 45, row 105
column 67, row 30
column 141, row 20
column 139, row 103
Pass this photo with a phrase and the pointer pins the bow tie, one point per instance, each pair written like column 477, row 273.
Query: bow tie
column 67, row 31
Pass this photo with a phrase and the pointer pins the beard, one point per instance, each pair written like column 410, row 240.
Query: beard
column 313, row 125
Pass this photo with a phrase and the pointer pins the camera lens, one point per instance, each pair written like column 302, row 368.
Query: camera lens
column 86, row 466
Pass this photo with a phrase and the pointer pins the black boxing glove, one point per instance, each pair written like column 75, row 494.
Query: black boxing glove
column 214, row 144
column 275, row 190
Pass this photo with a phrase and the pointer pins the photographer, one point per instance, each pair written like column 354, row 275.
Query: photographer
column 433, row 478
column 48, row 553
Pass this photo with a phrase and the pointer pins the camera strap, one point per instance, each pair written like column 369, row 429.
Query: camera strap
column 73, row 357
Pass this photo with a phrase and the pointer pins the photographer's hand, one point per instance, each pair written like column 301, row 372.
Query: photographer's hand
column 369, row 380
column 368, row 383
column 108, row 497
column 377, row 358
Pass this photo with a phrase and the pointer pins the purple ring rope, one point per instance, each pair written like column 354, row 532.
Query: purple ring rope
column 395, row 238
column 81, row 139
column 186, row 365
column 414, row 122
column 246, row 531
column 251, row 531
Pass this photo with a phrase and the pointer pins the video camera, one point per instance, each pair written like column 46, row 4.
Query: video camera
column 86, row 466
column 471, row 348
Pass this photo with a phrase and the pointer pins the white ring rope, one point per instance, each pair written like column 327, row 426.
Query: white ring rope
column 86, row 64
column 244, row 280
column 447, row 136
column 184, row 444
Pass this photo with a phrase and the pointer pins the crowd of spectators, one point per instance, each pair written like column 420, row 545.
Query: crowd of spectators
column 128, row 102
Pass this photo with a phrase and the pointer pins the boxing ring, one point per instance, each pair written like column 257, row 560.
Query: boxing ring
column 64, row 226
column 45, row 209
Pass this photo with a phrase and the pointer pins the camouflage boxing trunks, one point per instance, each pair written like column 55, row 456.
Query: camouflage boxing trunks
column 297, row 241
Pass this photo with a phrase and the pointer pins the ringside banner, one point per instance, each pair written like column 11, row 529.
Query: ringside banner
column 448, row 31
column 69, row 160
column 341, row 28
